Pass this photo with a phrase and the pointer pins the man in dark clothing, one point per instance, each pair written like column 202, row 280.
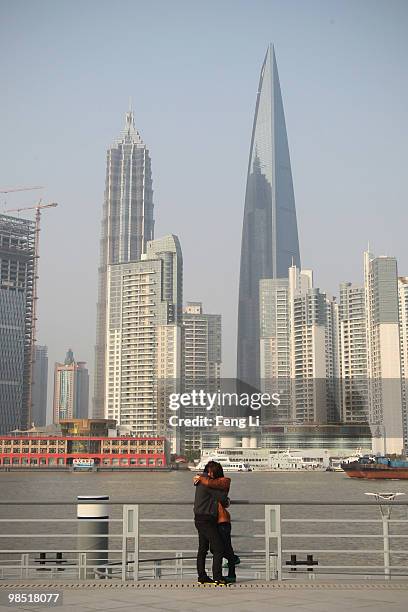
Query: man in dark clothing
column 205, row 519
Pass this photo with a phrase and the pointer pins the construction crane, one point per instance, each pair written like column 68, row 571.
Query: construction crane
column 38, row 208
column 13, row 189
column 7, row 190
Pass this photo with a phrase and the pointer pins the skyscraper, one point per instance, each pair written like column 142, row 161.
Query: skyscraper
column 127, row 225
column 314, row 357
column 144, row 336
column 403, row 319
column 383, row 353
column 353, row 354
column 274, row 347
column 17, row 252
column 299, row 350
column 40, row 383
column 201, row 363
column 269, row 235
column 71, row 389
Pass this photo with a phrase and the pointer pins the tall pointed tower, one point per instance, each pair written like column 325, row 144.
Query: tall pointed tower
column 269, row 235
column 127, row 225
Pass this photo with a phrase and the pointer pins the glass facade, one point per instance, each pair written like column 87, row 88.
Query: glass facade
column 16, row 301
column 269, row 236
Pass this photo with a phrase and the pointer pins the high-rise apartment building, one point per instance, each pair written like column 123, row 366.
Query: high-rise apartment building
column 383, row 352
column 307, row 348
column 274, row 347
column 403, row 318
column 269, row 234
column 17, row 251
column 144, row 326
column 299, row 350
column 353, row 354
column 201, row 364
column 313, row 322
column 127, row 226
column 40, row 384
column 332, row 354
column 71, row 389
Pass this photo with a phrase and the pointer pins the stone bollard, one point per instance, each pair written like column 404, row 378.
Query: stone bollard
column 94, row 532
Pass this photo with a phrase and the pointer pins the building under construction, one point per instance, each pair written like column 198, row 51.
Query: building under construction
column 17, row 308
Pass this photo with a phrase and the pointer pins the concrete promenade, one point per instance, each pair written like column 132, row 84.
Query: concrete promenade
column 364, row 596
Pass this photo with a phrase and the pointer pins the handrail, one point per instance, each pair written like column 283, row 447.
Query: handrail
column 237, row 502
column 263, row 560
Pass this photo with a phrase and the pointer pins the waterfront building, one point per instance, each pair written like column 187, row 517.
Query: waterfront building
column 88, row 428
column 338, row 439
column 17, row 252
column 127, row 226
column 201, row 364
column 40, row 384
column 332, row 359
column 32, row 450
column 299, row 350
column 314, row 359
column 403, row 319
column 71, row 389
column 275, row 347
column 144, row 320
column 353, row 354
column 383, row 352
column 269, row 235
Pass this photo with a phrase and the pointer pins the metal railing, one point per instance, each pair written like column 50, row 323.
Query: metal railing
column 342, row 539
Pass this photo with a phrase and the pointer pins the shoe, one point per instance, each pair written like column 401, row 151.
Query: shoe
column 230, row 579
column 237, row 562
column 206, row 580
column 221, row 582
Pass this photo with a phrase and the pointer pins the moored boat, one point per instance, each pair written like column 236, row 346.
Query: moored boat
column 377, row 468
column 227, row 465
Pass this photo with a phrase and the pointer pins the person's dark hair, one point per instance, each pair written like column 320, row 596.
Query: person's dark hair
column 216, row 469
column 218, row 472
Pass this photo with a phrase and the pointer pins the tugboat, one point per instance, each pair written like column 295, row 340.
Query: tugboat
column 370, row 466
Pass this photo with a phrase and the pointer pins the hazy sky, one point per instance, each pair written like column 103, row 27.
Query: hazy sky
column 192, row 68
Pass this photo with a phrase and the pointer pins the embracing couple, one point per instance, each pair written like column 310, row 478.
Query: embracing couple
column 213, row 523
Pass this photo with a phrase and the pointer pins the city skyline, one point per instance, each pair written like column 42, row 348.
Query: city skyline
column 323, row 159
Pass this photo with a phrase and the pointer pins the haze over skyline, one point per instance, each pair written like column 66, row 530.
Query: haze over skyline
column 192, row 71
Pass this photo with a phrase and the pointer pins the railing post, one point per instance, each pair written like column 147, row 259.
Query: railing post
column 130, row 530
column 273, row 530
column 179, row 564
column 157, row 569
column 24, row 565
column 386, row 538
column 82, row 566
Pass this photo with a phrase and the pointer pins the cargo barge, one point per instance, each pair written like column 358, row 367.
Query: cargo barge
column 377, row 468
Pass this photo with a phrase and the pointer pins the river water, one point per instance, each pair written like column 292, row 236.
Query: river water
column 169, row 487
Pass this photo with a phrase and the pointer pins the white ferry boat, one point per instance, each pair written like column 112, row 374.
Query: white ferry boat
column 227, row 465
column 285, row 461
